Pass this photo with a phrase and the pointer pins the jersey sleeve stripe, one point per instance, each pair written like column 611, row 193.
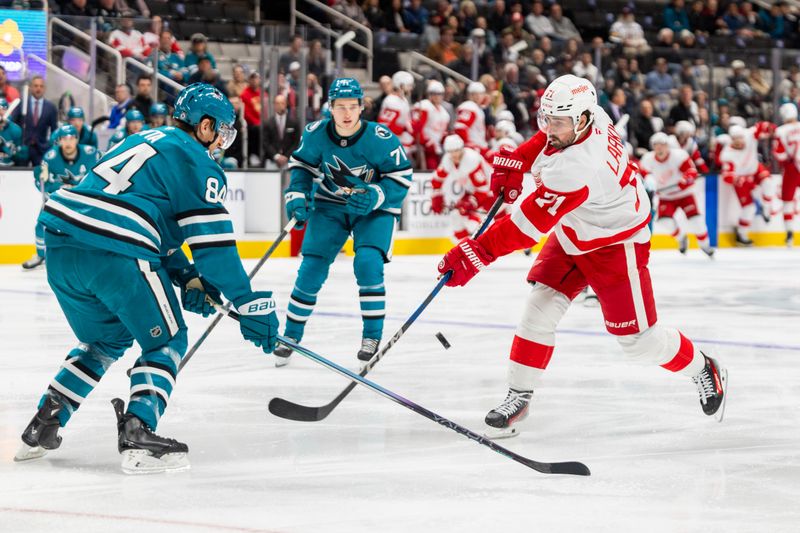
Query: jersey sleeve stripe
column 204, row 219
column 403, row 177
column 200, row 212
column 113, row 208
column 214, row 237
column 115, row 201
column 526, row 226
column 99, row 227
column 214, row 244
column 295, row 162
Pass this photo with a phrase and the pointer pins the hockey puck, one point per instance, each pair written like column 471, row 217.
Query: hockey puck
column 443, row 341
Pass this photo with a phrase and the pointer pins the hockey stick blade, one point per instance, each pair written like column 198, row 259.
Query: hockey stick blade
column 303, row 413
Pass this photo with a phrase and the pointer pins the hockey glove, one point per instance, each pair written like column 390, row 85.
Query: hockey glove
column 195, row 295
column 296, row 207
column 465, row 260
column 466, row 205
column 507, row 175
column 365, row 200
column 437, row 204
column 257, row 319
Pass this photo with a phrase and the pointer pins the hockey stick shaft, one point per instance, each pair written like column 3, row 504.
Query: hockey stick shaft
column 284, row 232
column 285, row 409
column 570, row 467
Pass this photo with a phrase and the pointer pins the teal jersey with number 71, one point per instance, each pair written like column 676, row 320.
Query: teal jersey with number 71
column 154, row 191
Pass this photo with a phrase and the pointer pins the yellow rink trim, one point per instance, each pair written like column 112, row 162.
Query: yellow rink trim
column 18, row 253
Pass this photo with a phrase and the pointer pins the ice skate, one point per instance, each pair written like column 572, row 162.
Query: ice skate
column 282, row 354
column 709, row 251
column 503, row 419
column 789, row 239
column 33, row 262
column 369, row 347
column 712, row 384
column 41, row 435
column 683, row 244
column 766, row 215
column 741, row 238
column 144, row 452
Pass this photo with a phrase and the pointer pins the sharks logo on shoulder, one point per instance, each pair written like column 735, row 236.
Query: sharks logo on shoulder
column 344, row 176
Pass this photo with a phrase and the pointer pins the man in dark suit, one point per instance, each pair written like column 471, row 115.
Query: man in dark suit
column 41, row 121
column 281, row 135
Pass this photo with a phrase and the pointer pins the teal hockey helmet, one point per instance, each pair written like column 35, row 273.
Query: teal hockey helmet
column 158, row 108
column 67, row 130
column 345, row 88
column 3, row 103
column 75, row 112
column 133, row 115
column 201, row 100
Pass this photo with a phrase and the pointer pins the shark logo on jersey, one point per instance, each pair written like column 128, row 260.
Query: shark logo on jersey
column 347, row 177
column 68, row 178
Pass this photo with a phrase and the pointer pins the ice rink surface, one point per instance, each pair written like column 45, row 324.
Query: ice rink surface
column 658, row 464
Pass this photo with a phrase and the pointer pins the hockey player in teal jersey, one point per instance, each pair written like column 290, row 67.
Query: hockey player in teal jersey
column 158, row 115
column 348, row 176
column 114, row 251
column 77, row 118
column 63, row 166
column 134, row 123
column 12, row 151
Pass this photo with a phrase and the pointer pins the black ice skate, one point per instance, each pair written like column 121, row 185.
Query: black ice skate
column 789, row 238
column 502, row 420
column 683, row 244
column 41, row 434
column 282, row 354
column 712, row 384
column 33, row 262
column 709, row 251
column 369, row 347
column 144, row 452
column 742, row 239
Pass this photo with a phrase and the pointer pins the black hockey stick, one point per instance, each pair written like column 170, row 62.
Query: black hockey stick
column 570, row 467
column 303, row 413
column 284, row 232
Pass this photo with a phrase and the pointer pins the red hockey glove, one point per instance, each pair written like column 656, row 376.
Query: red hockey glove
column 507, row 175
column 467, row 205
column 464, row 260
column 437, row 204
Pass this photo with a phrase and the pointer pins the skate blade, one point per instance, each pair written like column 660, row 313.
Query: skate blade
column 28, row 453
column 591, row 301
column 136, row 462
column 281, row 361
column 500, row 433
column 723, row 374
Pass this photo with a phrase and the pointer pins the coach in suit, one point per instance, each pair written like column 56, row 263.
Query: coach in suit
column 41, row 121
column 281, row 135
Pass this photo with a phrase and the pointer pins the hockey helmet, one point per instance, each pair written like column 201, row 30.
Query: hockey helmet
column 476, row 87
column 567, row 96
column 506, row 128
column 737, row 132
column 3, row 103
column 505, row 114
column 737, row 121
column 76, row 112
column 788, row 111
column 345, row 88
column 201, row 100
column 684, row 127
column 453, row 143
column 403, row 80
column 67, row 130
column 134, row 115
column 158, row 109
column 659, row 138
column 435, row 87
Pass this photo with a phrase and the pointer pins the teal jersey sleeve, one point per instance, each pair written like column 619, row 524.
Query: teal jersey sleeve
column 305, row 161
column 51, row 167
column 393, row 168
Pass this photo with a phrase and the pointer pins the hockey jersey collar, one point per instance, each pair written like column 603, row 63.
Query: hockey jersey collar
column 344, row 142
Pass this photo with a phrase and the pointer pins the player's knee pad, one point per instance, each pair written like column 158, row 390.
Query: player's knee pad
column 368, row 267
column 697, row 225
column 650, row 346
column 312, row 273
column 543, row 311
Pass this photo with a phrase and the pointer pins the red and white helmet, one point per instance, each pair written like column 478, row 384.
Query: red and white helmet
column 568, row 96
column 453, row 143
column 435, row 87
column 403, row 80
column 659, row 138
column 684, row 127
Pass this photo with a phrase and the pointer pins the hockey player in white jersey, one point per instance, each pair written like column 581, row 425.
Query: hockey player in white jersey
column 674, row 175
column 461, row 187
column 591, row 198
column 430, row 121
column 395, row 112
column 505, row 135
column 471, row 119
column 784, row 148
column 742, row 169
column 684, row 135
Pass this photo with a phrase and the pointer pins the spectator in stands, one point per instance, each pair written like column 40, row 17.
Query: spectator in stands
column 503, row 53
column 584, row 68
column 772, row 22
column 317, row 60
column 122, row 95
column 733, row 19
column 686, row 75
column 417, row 16
column 518, row 99
column 144, row 99
column 619, row 72
column 760, row 86
column 292, row 54
column 676, row 17
column 351, row 10
column 617, row 106
column 792, row 80
column 517, row 29
column 237, row 149
column 128, row 40
column 206, row 73
column 238, row 81
column 446, row 50
column 315, row 97
column 77, row 8
column 395, row 18
column 40, row 122
column 685, row 108
column 107, row 15
column 251, row 102
column 385, row 85
column 152, row 37
column 658, row 80
column 485, row 58
column 563, row 27
column 646, row 123
column 281, row 135
column 699, row 20
column 629, row 33
column 7, row 91
column 499, row 18
column 537, row 22
column 439, row 18
column 373, row 13
column 750, row 19
column 198, row 49
column 463, row 65
column 467, row 16
column 738, row 90
column 170, row 64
